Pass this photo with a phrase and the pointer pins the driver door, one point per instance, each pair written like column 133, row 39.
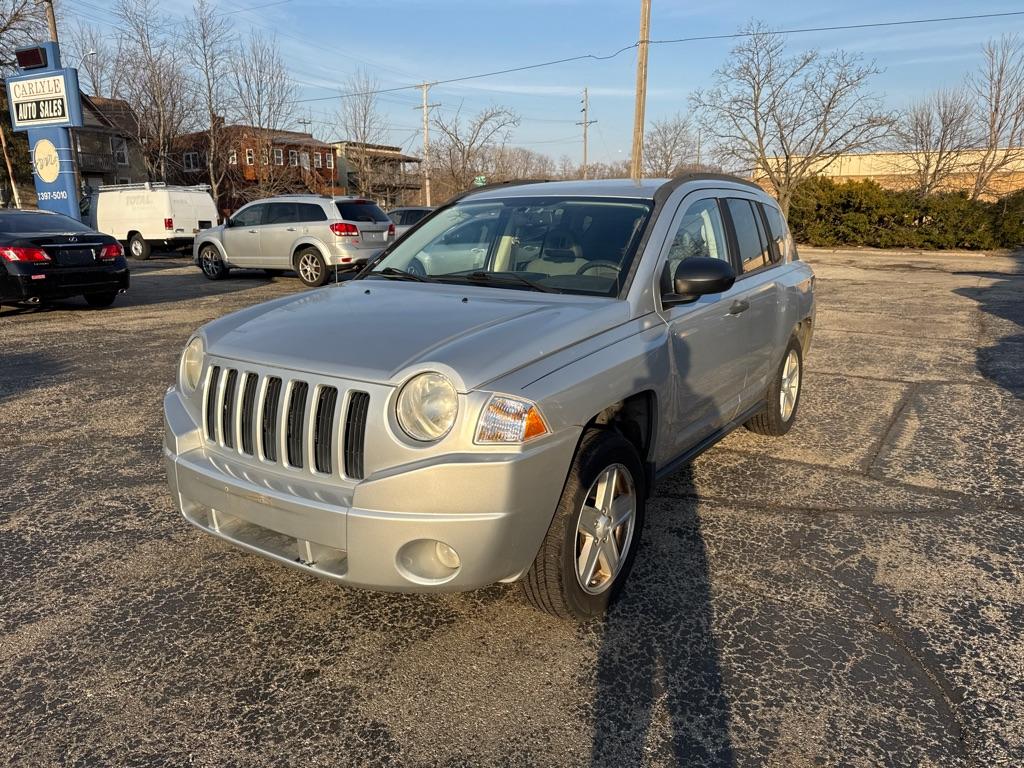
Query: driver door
column 242, row 238
column 705, row 347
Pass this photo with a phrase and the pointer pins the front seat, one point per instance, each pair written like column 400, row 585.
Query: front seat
column 560, row 254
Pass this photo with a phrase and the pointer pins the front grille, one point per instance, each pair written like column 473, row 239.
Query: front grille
column 289, row 422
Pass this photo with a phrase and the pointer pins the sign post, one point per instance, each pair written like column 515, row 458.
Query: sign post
column 45, row 101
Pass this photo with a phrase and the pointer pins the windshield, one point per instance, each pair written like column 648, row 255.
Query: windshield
column 579, row 245
column 24, row 223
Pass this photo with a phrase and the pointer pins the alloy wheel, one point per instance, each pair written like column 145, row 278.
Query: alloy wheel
column 309, row 268
column 604, row 531
column 790, row 389
column 210, row 262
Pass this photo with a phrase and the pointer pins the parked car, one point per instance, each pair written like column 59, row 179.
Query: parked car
column 307, row 233
column 47, row 255
column 405, row 218
column 151, row 214
column 503, row 423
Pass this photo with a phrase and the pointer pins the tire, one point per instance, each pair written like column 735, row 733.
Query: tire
column 311, row 267
column 100, row 300
column 554, row 583
column 212, row 264
column 138, row 247
column 779, row 413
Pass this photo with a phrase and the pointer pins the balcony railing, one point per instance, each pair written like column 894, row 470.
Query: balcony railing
column 96, row 162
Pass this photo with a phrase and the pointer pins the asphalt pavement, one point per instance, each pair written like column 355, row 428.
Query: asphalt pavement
column 851, row 594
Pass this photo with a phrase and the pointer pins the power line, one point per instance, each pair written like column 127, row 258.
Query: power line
column 698, row 38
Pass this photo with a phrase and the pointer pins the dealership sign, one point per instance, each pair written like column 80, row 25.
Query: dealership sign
column 45, row 99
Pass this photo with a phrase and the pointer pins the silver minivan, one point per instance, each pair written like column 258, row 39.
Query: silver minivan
column 310, row 234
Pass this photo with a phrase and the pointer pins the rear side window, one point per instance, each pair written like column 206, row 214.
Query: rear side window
column 411, row 217
column 280, row 213
column 785, row 251
column 310, row 212
column 362, row 210
column 249, row 217
column 748, row 235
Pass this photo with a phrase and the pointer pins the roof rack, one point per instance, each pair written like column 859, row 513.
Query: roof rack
column 148, row 185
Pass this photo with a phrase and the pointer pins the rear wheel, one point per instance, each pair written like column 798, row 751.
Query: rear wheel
column 783, row 395
column 138, row 247
column 100, row 300
column 311, row 267
column 212, row 264
column 590, row 546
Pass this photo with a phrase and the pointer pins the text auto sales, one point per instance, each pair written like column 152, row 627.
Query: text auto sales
column 39, row 99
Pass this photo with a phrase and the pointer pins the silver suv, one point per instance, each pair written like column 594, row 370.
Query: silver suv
column 308, row 233
column 502, row 422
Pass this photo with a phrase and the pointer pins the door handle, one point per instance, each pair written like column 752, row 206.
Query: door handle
column 252, row 231
column 290, row 229
column 739, row 306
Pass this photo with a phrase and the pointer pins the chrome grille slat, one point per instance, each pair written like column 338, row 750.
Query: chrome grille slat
column 312, row 427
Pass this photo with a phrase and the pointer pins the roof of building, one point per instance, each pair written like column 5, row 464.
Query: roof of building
column 378, row 150
column 117, row 112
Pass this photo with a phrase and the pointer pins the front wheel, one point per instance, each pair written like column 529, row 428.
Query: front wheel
column 783, row 395
column 591, row 544
column 212, row 264
column 311, row 267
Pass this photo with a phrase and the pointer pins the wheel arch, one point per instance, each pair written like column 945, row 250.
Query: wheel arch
column 635, row 418
column 308, row 242
column 203, row 242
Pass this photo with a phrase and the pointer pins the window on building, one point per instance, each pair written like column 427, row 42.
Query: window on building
column 304, row 160
column 191, row 161
column 318, row 160
column 119, row 149
column 233, row 157
column 250, row 156
column 278, row 156
column 330, row 160
column 293, row 157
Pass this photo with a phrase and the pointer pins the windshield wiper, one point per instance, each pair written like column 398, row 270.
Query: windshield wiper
column 401, row 274
column 500, row 277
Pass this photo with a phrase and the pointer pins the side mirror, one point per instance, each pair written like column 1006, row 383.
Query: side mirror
column 698, row 277
column 228, row 222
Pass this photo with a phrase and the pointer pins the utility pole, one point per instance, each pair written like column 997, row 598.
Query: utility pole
column 304, row 122
column 637, row 158
column 425, row 88
column 51, row 20
column 585, row 123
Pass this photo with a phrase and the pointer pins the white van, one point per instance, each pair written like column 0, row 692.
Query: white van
column 151, row 214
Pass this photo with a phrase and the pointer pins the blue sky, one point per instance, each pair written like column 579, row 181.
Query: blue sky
column 407, row 41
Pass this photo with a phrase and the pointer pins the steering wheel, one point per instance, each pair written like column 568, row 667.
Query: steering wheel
column 593, row 264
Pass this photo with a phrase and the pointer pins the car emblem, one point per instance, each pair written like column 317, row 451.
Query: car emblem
column 72, row 239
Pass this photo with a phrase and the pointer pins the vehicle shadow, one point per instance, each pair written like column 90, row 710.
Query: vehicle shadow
column 659, row 692
column 1002, row 362
column 23, row 372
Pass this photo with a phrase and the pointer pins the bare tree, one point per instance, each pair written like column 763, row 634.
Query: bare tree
column 997, row 88
column 460, row 151
column 788, row 118
column 101, row 60
column 156, row 85
column 362, row 123
column 263, row 94
column 933, row 135
column 21, row 22
column 209, row 42
column 668, row 146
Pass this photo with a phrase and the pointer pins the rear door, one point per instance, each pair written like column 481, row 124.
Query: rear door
column 241, row 236
column 705, row 345
column 757, row 294
column 370, row 220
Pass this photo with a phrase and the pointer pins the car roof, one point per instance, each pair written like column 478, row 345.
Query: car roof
column 644, row 189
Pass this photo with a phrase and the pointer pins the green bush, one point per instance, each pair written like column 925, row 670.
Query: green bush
column 862, row 213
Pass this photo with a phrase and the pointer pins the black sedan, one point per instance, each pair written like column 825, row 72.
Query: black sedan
column 46, row 255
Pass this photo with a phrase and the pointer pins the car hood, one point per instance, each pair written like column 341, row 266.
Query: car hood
column 377, row 331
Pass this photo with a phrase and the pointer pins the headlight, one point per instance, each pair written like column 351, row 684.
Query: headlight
column 427, row 407
column 510, row 420
column 191, row 365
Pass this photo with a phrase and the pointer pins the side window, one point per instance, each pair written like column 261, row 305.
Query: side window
column 748, row 237
column 699, row 234
column 411, row 217
column 280, row 213
column 248, row 217
column 310, row 212
column 784, row 250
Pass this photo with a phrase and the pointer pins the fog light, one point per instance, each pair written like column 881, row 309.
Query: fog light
column 449, row 557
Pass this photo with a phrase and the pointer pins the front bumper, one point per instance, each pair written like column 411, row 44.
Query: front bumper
column 493, row 509
column 22, row 282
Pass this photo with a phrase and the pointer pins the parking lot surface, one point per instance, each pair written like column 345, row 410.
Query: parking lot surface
column 850, row 594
